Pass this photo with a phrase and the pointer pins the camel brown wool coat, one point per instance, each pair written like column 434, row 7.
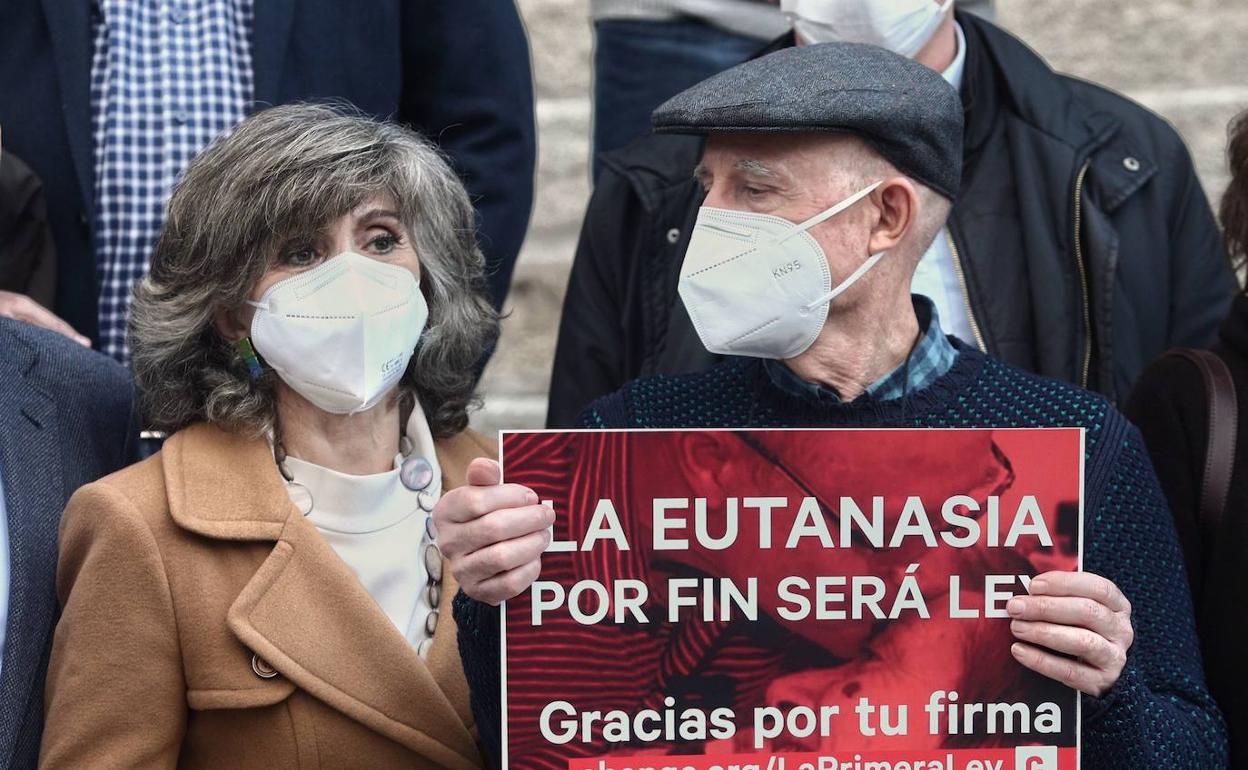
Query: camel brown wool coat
column 185, row 577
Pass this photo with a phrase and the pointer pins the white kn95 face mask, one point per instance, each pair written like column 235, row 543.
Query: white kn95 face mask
column 901, row 26
column 342, row 333
column 759, row 285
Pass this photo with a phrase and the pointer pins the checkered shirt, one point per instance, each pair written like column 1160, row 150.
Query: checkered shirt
column 167, row 77
column 933, row 355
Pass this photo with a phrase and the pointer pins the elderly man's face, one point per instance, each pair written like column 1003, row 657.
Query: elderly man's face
column 794, row 176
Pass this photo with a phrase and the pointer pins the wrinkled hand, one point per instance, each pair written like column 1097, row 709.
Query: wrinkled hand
column 1079, row 614
column 493, row 534
column 19, row 307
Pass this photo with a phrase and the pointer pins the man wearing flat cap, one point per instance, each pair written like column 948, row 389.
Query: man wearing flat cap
column 1081, row 246
column 828, row 171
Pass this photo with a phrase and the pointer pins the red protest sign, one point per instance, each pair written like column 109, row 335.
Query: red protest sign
column 789, row 599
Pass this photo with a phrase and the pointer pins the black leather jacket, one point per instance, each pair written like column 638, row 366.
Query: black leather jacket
column 1085, row 242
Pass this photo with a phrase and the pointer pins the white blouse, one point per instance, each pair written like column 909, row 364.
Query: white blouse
column 377, row 526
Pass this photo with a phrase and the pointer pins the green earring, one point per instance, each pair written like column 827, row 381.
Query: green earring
column 248, row 354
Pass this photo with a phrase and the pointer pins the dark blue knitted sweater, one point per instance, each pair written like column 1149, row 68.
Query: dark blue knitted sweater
column 1159, row 714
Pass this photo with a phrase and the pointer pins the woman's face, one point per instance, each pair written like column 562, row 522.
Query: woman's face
column 372, row 229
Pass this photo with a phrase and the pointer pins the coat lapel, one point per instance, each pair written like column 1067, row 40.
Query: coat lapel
column 305, row 612
column 34, row 494
column 69, row 24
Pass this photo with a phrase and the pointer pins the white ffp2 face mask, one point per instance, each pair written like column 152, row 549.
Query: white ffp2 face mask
column 759, row 285
column 901, row 26
column 342, row 333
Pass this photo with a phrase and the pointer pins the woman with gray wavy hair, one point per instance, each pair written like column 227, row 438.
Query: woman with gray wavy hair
column 267, row 591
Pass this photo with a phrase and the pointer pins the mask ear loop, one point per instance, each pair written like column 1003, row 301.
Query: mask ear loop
column 823, row 216
column 827, row 214
column 850, row 281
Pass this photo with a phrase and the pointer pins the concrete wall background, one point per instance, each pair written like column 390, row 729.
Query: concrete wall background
column 1182, row 58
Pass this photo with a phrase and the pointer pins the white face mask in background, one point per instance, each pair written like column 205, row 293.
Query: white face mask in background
column 901, row 26
column 342, row 333
column 759, row 285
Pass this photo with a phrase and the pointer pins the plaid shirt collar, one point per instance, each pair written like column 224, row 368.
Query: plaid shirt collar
column 933, row 355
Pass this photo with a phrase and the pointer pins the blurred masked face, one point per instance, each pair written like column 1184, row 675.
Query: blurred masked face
column 784, row 230
column 901, row 26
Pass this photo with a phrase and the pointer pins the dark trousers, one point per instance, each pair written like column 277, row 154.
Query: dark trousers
column 638, row 65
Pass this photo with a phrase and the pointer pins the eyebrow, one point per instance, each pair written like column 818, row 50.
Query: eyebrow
column 747, row 166
column 755, row 168
column 376, row 213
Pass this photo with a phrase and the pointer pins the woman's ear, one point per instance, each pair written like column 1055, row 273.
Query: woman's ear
column 229, row 325
column 897, row 201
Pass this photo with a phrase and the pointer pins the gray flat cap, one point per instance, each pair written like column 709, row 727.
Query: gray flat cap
column 906, row 111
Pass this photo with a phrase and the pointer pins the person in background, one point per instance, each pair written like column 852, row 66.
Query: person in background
column 27, row 254
column 109, row 100
column 1081, row 246
column 308, row 332
column 646, row 52
column 822, row 197
column 66, row 418
column 1171, row 407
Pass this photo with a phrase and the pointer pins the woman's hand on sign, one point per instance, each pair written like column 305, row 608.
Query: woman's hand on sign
column 1083, row 616
column 493, row 534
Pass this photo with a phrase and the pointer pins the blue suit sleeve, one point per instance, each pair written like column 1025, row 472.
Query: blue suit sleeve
column 468, row 85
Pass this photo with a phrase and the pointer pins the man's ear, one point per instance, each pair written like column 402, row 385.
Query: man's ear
column 897, row 203
column 229, row 325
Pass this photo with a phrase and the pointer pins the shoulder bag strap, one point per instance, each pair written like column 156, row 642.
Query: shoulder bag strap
column 1215, row 484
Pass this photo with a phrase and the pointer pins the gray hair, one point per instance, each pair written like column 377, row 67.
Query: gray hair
column 284, row 173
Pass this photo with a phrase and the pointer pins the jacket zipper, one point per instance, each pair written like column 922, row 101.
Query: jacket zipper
column 966, row 294
column 1083, row 275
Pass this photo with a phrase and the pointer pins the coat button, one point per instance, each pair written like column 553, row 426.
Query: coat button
column 673, row 236
column 1131, row 164
column 262, row 668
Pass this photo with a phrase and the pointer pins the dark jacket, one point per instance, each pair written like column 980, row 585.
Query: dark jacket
column 1085, row 241
column 1171, row 408
column 27, row 255
column 66, row 418
column 458, row 71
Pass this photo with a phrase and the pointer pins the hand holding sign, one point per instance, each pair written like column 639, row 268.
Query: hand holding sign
column 1079, row 614
column 493, row 534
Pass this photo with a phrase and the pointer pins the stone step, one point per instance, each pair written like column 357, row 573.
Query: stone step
column 1130, row 45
